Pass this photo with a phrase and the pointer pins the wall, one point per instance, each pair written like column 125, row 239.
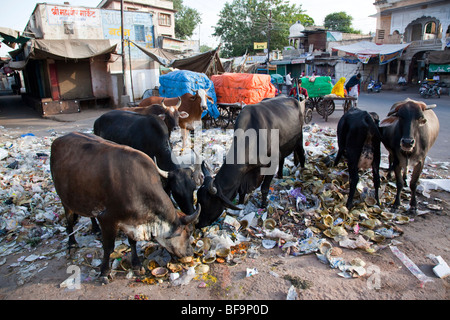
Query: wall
column 66, row 22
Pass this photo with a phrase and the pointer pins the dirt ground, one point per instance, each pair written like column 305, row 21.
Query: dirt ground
column 386, row 277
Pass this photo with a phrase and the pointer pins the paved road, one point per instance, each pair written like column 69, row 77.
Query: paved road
column 382, row 102
column 14, row 114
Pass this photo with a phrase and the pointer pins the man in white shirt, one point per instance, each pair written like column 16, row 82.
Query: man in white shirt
column 288, row 82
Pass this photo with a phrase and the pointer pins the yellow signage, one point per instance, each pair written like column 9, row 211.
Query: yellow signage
column 259, row 45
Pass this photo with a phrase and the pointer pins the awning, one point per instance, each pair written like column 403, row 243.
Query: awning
column 385, row 52
column 11, row 37
column 208, row 63
column 439, row 57
column 160, row 55
column 70, row 49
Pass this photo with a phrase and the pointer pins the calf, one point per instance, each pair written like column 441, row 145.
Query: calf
column 359, row 140
column 194, row 105
column 408, row 132
column 120, row 186
column 149, row 134
column 170, row 115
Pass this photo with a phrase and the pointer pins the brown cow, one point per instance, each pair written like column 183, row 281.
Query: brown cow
column 408, row 132
column 120, row 186
column 194, row 105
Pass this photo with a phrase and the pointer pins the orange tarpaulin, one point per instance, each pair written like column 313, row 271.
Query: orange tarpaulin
column 242, row 87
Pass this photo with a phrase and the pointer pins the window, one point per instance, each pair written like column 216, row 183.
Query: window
column 380, row 35
column 139, row 32
column 68, row 27
column 165, row 19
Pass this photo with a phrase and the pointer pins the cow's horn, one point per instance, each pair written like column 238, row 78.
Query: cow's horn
column 162, row 173
column 193, row 217
column 430, row 106
column 179, row 103
column 162, row 103
column 211, row 188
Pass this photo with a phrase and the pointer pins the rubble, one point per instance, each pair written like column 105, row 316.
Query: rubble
column 306, row 214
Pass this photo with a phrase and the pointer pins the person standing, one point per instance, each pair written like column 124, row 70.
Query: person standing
column 288, row 82
column 353, row 87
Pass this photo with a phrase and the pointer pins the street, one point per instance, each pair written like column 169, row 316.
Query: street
column 382, row 102
column 15, row 114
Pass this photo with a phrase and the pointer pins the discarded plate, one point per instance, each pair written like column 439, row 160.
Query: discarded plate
column 269, row 244
column 223, row 252
column 324, row 247
column 370, row 201
column 269, row 224
column 160, row 272
column 202, row 269
column 186, row 259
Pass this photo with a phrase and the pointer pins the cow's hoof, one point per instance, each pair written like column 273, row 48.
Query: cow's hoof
column 104, row 280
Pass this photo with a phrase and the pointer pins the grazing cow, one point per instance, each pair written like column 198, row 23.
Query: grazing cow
column 194, row 105
column 359, row 140
column 277, row 126
column 408, row 132
column 149, row 134
column 120, row 186
column 170, row 115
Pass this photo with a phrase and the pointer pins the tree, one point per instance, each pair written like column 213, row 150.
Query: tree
column 243, row 22
column 340, row 21
column 186, row 20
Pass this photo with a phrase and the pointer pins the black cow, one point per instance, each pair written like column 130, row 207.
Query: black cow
column 359, row 140
column 120, row 186
column 282, row 120
column 408, row 132
column 149, row 134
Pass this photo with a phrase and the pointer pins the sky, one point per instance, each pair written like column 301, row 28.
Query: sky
column 13, row 17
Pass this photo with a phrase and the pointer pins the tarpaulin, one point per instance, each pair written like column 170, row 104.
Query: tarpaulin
column 385, row 52
column 11, row 37
column 243, row 87
column 207, row 63
column 70, row 49
column 160, row 55
column 321, row 86
column 179, row 82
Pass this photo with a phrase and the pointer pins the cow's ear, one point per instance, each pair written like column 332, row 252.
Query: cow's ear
column 389, row 121
column 184, row 114
column 422, row 121
column 162, row 116
column 210, row 99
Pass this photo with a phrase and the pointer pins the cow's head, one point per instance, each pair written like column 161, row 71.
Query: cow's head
column 409, row 116
column 212, row 200
column 203, row 97
column 172, row 115
column 175, row 235
column 182, row 183
column 177, row 240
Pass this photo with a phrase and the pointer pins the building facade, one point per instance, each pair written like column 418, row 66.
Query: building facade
column 425, row 24
column 70, row 56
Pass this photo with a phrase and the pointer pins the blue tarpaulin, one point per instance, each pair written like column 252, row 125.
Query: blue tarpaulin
column 179, row 82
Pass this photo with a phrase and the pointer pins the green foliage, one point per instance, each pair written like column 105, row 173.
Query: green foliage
column 340, row 21
column 186, row 20
column 243, row 22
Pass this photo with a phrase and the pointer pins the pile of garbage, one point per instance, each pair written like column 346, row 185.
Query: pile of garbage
column 306, row 214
